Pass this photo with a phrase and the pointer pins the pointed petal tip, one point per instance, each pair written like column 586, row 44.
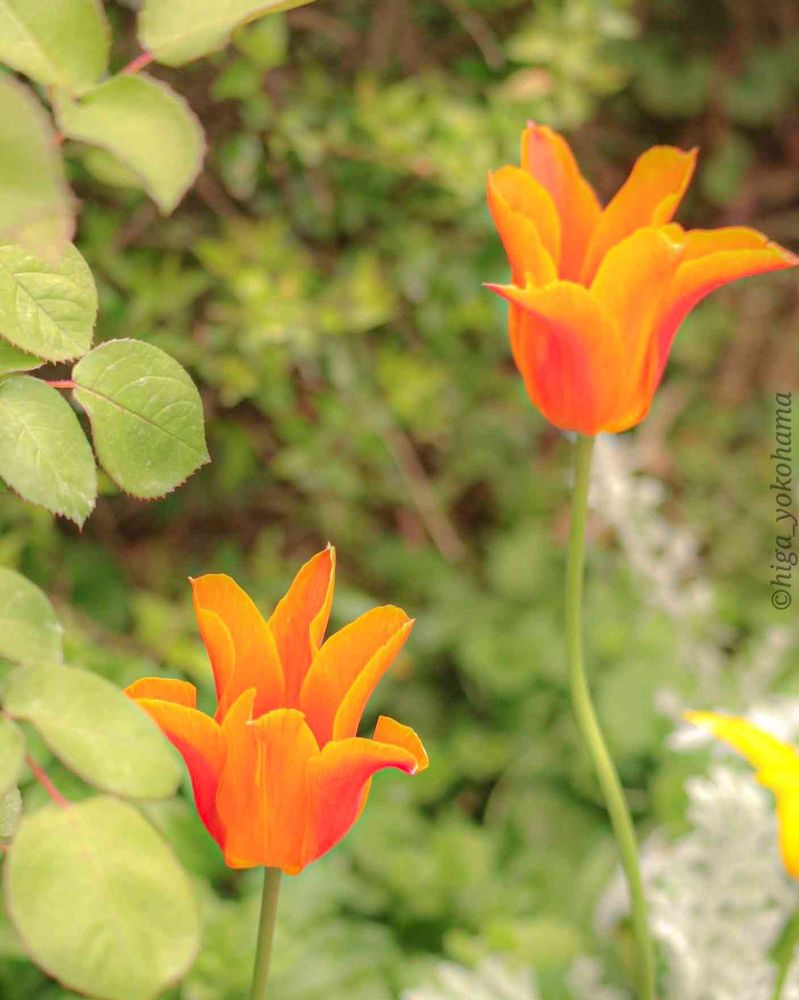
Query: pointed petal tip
column 790, row 259
column 537, row 127
column 699, row 718
column 330, row 552
column 687, row 154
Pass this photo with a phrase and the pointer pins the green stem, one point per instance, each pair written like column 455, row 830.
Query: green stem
column 589, row 725
column 266, row 930
column 785, row 953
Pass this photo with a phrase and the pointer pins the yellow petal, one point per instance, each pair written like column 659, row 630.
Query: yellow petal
column 763, row 751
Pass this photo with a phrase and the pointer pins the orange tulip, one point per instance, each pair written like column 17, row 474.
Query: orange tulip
column 597, row 295
column 279, row 773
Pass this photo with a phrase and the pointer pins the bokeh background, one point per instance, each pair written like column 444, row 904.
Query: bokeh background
column 323, row 285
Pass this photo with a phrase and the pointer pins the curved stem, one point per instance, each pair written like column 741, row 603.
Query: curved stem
column 785, row 953
column 266, row 930
column 589, row 725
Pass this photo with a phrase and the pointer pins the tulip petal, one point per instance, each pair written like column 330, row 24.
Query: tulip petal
column 631, row 283
column 649, row 197
column 218, row 645
column 339, row 778
column 390, row 731
column 569, row 352
column 285, row 745
column 163, row 689
column 763, row 751
column 712, row 258
column 300, row 619
column 527, row 222
column 263, row 797
column 236, row 799
column 226, row 615
column 547, row 156
column 347, row 668
column 199, row 740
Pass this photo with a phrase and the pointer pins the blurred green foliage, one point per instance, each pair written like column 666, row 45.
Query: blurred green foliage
column 323, row 286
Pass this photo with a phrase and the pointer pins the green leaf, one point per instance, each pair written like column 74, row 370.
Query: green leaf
column 35, row 203
column 146, row 416
column 29, row 629
column 10, row 813
column 47, row 307
column 108, row 170
column 56, row 44
column 12, row 359
column 147, row 127
column 99, row 900
column 95, row 729
column 44, row 454
column 12, row 754
column 177, row 31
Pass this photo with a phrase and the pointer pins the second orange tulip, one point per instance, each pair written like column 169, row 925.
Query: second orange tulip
column 597, row 295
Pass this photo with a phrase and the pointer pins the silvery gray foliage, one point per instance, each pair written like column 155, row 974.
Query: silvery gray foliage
column 493, row 979
column 719, row 895
column 664, row 556
column 585, row 982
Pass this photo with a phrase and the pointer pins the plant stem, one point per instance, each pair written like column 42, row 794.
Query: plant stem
column 266, row 930
column 785, row 953
column 42, row 777
column 589, row 725
column 133, row 67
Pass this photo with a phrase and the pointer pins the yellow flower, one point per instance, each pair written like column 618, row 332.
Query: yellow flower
column 777, row 766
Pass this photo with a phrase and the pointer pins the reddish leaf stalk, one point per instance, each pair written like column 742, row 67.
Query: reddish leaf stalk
column 47, row 784
column 141, row 60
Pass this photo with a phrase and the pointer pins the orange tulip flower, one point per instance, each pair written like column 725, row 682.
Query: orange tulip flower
column 279, row 773
column 597, row 295
column 777, row 766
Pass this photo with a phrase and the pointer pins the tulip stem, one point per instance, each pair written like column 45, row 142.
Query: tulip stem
column 588, row 723
column 785, row 954
column 266, row 930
